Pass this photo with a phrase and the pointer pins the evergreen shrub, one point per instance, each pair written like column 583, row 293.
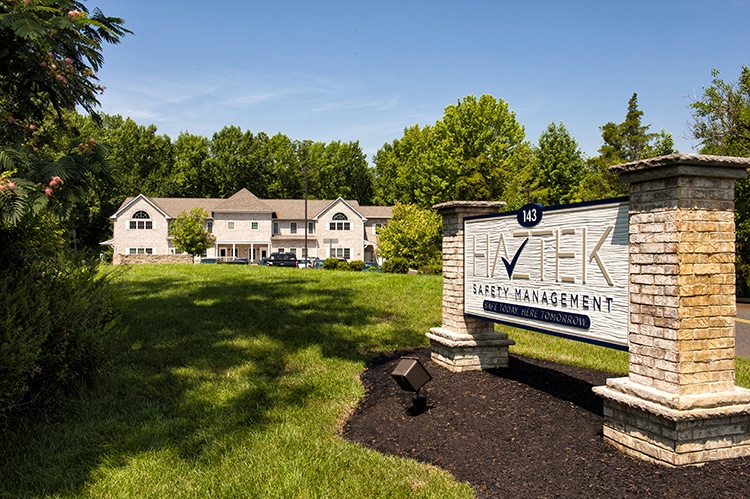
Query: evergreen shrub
column 55, row 317
column 396, row 265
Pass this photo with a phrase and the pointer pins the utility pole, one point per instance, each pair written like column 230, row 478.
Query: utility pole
column 306, row 255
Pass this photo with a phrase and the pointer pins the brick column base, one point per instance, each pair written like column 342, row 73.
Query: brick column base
column 466, row 352
column 463, row 343
column 679, row 405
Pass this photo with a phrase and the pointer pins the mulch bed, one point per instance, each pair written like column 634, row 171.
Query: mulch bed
column 531, row 430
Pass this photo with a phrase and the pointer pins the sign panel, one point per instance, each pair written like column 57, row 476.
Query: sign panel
column 561, row 270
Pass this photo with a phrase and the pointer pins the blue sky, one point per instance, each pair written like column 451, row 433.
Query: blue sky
column 365, row 70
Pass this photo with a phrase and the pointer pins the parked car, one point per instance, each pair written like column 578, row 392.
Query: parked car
column 317, row 264
column 372, row 267
column 209, row 260
column 282, row 260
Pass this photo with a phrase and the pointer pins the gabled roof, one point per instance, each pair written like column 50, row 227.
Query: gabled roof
column 353, row 205
column 294, row 209
column 140, row 197
column 170, row 207
column 376, row 211
column 243, row 201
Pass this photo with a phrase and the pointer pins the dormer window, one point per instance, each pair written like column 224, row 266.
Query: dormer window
column 141, row 220
column 338, row 222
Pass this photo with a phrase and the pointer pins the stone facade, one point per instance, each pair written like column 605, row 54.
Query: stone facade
column 135, row 259
column 463, row 343
column 679, row 404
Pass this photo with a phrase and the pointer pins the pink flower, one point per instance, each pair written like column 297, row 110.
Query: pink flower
column 48, row 191
column 92, row 140
column 33, row 128
column 61, row 78
column 55, row 182
column 11, row 185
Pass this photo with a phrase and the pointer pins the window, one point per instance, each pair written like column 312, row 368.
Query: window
column 338, row 222
column 276, row 228
column 345, row 253
column 141, row 251
column 210, row 226
column 230, row 225
column 340, row 226
column 310, row 228
column 293, row 227
column 254, row 225
column 141, row 220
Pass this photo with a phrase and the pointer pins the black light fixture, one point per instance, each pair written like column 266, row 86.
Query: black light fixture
column 411, row 376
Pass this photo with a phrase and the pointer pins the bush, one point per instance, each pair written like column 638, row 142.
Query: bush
column 333, row 264
column 396, row 265
column 742, row 272
column 54, row 317
column 435, row 268
column 356, row 265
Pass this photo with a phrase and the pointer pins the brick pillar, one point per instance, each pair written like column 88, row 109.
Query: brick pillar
column 679, row 404
column 463, row 343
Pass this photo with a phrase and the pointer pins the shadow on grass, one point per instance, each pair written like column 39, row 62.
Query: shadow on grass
column 198, row 359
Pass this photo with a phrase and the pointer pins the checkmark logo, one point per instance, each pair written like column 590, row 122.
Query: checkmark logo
column 509, row 266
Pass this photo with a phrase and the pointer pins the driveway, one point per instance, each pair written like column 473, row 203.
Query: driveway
column 742, row 330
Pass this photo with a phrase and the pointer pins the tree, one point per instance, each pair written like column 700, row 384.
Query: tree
column 50, row 51
column 475, row 150
column 413, row 233
column 722, row 125
column 397, row 167
column 624, row 142
column 722, row 116
column 238, row 159
column 474, row 153
column 190, row 233
column 56, row 304
column 558, row 167
column 144, row 158
column 191, row 175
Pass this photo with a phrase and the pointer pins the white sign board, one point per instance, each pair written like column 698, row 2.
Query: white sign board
column 561, row 270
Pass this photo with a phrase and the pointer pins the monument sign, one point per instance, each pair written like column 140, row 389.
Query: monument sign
column 561, row 270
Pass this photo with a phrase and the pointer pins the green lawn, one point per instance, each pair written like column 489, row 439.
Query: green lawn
column 231, row 381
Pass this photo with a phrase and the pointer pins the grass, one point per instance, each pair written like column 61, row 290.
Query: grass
column 232, row 381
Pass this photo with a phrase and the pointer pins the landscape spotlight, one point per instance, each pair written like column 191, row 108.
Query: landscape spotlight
column 411, row 376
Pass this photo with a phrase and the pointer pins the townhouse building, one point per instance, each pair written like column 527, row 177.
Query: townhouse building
column 246, row 226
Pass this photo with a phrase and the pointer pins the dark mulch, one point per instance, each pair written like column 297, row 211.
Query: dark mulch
column 531, row 430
